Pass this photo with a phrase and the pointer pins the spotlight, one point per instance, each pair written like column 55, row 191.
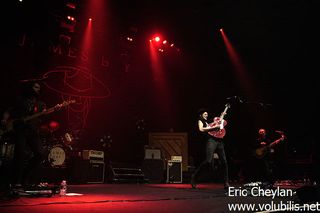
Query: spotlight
column 70, row 5
column 71, row 18
column 157, row 38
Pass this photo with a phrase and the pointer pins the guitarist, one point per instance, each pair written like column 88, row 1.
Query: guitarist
column 265, row 155
column 213, row 144
column 25, row 134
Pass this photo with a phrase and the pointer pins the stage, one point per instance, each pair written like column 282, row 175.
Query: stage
column 148, row 198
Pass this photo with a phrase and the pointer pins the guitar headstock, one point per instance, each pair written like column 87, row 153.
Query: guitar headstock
column 63, row 104
column 228, row 105
column 66, row 103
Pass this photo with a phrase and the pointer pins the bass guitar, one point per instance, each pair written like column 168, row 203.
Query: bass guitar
column 220, row 132
column 10, row 124
column 261, row 152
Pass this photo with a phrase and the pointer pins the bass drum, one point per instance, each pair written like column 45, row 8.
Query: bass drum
column 57, row 156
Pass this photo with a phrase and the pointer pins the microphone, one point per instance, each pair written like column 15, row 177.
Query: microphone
column 235, row 98
column 232, row 97
column 240, row 99
column 265, row 104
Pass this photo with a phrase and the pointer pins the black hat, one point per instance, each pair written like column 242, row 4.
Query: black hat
column 202, row 110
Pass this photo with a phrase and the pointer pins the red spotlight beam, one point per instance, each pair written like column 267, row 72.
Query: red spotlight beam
column 245, row 81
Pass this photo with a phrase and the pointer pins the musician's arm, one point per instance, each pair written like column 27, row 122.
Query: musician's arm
column 208, row 128
column 279, row 140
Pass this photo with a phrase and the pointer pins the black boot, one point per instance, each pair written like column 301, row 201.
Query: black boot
column 193, row 182
column 226, row 185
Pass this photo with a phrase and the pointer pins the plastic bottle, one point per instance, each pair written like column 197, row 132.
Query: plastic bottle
column 63, row 188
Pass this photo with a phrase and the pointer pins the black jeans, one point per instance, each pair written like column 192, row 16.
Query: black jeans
column 23, row 166
column 214, row 145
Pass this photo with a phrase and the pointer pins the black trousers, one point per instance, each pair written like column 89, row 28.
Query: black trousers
column 214, row 145
column 26, row 138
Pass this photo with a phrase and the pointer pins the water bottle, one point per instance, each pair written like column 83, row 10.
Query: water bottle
column 63, row 188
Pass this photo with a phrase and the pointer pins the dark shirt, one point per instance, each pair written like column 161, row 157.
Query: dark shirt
column 270, row 150
column 27, row 106
column 204, row 134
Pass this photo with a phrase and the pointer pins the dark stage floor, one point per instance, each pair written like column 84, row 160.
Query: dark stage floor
column 148, row 198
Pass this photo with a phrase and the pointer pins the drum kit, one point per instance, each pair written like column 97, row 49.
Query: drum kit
column 57, row 145
column 56, row 148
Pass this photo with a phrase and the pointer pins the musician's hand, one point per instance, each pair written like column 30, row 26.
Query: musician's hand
column 215, row 126
column 58, row 107
column 263, row 143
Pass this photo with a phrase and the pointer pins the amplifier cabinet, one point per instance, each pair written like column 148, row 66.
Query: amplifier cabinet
column 96, row 172
column 153, row 170
column 152, row 154
column 93, row 155
column 174, row 172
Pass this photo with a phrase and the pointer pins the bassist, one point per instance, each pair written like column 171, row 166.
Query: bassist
column 25, row 135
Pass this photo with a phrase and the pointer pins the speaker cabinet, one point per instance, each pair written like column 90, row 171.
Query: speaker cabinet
column 96, row 172
column 174, row 172
column 152, row 154
column 153, row 170
column 87, row 171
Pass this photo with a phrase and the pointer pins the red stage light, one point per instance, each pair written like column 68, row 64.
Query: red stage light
column 53, row 125
column 90, row 19
column 157, row 38
column 164, row 42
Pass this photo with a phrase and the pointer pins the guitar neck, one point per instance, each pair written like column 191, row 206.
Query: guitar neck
column 275, row 142
column 223, row 113
column 50, row 110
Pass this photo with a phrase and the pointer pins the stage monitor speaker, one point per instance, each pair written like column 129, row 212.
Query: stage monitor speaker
column 153, row 170
column 174, row 172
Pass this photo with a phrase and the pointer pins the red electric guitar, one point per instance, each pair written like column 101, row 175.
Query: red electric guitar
column 221, row 132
